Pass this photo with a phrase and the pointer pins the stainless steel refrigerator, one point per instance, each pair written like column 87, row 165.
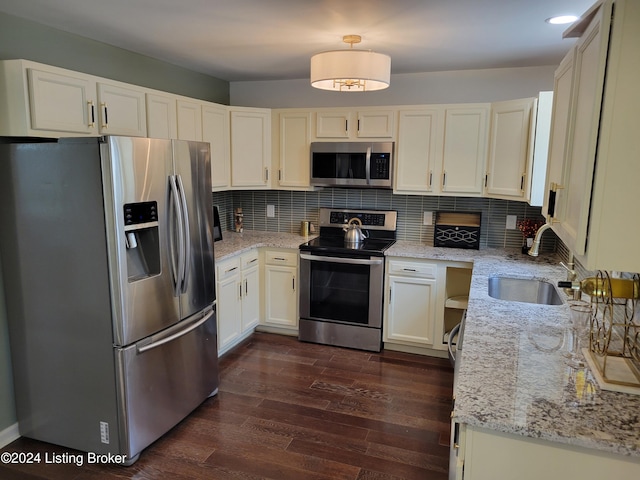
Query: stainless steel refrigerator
column 108, row 269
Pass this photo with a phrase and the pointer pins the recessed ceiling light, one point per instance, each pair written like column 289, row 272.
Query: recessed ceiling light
column 561, row 19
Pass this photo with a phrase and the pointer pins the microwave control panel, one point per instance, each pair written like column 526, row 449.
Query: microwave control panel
column 380, row 166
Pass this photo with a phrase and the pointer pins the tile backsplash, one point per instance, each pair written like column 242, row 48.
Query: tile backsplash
column 291, row 207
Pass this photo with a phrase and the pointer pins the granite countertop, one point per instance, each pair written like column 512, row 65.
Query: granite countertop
column 513, row 377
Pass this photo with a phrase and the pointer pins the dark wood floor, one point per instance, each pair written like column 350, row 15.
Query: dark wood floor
column 291, row 410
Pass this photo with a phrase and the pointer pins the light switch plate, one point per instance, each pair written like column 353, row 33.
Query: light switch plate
column 271, row 211
column 427, row 218
column 511, row 222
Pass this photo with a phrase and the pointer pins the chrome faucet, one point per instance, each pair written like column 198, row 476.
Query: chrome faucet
column 533, row 251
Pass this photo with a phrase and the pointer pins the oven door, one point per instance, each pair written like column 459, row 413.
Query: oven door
column 340, row 289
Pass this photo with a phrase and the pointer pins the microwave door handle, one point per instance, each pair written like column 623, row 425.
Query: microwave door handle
column 368, row 165
column 350, row 261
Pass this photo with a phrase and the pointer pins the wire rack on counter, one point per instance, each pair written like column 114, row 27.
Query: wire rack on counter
column 614, row 335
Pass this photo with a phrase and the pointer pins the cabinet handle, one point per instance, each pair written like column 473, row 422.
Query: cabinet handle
column 279, row 258
column 246, row 288
column 346, row 125
column 444, row 178
column 293, row 283
column 522, row 182
column 430, row 178
column 230, row 270
column 266, row 174
column 103, row 105
column 409, row 269
column 240, row 290
column 486, row 178
column 93, row 113
column 280, row 175
column 251, row 261
column 358, row 125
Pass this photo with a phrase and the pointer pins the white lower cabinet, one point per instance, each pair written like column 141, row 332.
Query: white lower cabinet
column 238, row 299
column 480, row 454
column 411, row 302
column 281, row 289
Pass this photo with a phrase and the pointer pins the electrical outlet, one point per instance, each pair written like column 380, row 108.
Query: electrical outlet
column 271, row 211
column 511, row 222
column 427, row 218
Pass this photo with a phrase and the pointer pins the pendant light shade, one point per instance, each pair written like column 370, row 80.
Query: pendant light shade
column 350, row 70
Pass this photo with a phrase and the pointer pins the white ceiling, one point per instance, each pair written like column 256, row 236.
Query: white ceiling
column 242, row 40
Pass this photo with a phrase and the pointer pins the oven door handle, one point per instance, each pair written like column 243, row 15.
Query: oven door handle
column 351, row 261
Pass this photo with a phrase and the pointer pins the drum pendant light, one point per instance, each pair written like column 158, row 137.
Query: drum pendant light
column 350, row 70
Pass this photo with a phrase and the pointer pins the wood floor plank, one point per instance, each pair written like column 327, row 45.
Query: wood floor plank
column 292, row 410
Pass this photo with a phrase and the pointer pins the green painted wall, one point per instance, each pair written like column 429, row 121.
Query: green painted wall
column 20, row 38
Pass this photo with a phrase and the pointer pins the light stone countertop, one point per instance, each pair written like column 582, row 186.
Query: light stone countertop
column 513, row 377
column 233, row 243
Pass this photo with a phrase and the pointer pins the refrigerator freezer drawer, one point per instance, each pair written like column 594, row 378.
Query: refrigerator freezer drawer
column 164, row 380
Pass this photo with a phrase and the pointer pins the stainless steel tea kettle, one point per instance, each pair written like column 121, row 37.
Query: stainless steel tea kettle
column 353, row 234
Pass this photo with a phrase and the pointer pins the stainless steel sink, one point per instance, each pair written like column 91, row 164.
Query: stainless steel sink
column 524, row 290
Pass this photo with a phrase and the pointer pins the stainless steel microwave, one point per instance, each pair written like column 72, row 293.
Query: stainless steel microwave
column 352, row 164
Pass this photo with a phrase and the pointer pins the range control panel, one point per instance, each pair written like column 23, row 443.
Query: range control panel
column 371, row 219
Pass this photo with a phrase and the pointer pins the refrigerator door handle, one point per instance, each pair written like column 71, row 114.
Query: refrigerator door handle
column 187, row 236
column 176, row 335
column 176, row 205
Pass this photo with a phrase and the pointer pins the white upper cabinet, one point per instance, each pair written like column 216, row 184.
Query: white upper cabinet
column 594, row 213
column 291, row 135
column 510, row 149
column 352, row 124
column 189, row 120
column 215, row 130
column 562, row 86
column 418, row 150
column 250, row 147
column 162, row 121
column 64, row 103
column 121, row 110
column 442, row 149
column 465, row 149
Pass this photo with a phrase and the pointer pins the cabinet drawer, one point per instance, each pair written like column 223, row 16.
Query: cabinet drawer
column 281, row 258
column 423, row 270
column 249, row 260
column 228, row 268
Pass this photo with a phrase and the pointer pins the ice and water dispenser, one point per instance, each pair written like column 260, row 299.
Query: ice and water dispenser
column 142, row 240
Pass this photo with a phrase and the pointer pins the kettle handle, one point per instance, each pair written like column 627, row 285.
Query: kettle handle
column 355, row 220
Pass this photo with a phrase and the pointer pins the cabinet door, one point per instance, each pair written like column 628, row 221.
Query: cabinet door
column 411, row 310
column 250, row 148
column 465, row 149
column 62, row 103
column 376, row 124
column 509, row 148
column 161, row 116
column 562, row 86
column 215, row 130
column 189, row 120
column 281, row 296
column 229, row 312
column 250, row 298
column 418, row 148
column 294, row 149
column 589, row 71
column 122, row 111
column 333, row 124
